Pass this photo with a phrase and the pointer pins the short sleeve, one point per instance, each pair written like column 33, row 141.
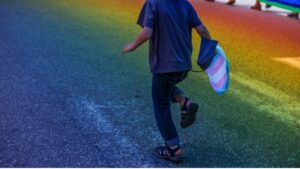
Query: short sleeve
column 147, row 15
column 194, row 18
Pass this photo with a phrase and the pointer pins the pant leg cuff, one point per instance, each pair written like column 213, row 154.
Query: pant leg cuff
column 173, row 142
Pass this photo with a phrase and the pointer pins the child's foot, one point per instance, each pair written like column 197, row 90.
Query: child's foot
column 173, row 153
column 188, row 113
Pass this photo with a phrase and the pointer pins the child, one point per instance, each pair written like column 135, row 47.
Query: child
column 168, row 25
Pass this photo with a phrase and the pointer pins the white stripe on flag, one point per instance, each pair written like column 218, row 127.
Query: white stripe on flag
column 215, row 78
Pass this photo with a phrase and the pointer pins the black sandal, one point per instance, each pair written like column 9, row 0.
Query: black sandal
column 189, row 117
column 165, row 152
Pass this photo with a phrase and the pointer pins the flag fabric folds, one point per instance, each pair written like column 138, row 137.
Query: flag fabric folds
column 213, row 61
column 207, row 53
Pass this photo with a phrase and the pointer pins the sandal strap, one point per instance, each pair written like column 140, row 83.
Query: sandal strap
column 184, row 107
column 164, row 151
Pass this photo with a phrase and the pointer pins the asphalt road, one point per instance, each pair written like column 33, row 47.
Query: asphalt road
column 67, row 100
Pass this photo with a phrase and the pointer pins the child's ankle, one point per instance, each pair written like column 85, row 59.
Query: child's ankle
column 177, row 150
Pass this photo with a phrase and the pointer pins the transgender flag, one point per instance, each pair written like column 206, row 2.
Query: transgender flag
column 213, row 61
column 218, row 72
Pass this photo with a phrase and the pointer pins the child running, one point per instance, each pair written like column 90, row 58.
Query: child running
column 168, row 24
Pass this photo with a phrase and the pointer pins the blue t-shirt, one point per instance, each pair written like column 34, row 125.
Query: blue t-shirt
column 171, row 42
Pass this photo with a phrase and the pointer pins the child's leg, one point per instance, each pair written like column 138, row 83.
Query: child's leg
column 188, row 108
column 161, row 94
column 177, row 95
column 179, row 98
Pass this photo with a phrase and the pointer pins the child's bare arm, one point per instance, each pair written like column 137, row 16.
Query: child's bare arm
column 144, row 36
column 203, row 32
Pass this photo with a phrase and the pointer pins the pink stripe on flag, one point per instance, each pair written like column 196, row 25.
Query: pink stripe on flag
column 215, row 67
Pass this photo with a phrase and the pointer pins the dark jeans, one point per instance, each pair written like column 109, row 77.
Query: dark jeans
column 163, row 92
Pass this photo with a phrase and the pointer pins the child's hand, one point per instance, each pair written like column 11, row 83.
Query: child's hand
column 128, row 48
column 142, row 38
